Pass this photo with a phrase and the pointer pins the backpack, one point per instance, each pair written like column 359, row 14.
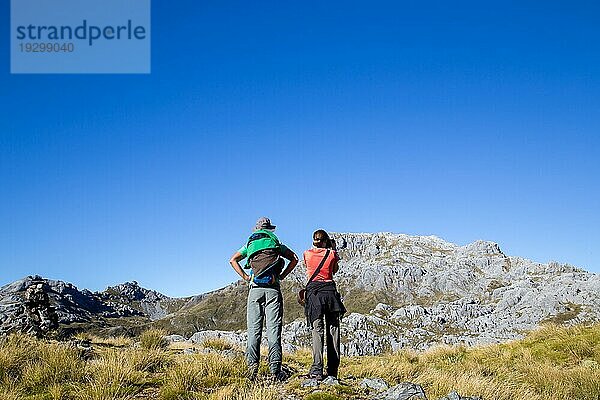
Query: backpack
column 262, row 240
column 258, row 242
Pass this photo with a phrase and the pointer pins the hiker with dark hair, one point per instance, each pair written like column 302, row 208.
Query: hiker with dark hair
column 323, row 306
column 266, row 256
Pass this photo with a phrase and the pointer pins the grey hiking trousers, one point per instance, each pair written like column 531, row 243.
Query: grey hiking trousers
column 264, row 304
column 331, row 330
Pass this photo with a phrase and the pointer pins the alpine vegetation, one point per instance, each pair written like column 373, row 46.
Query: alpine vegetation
column 554, row 362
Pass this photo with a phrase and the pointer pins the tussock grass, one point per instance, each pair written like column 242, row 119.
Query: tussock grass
column 218, row 344
column 201, row 373
column 154, row 339
column 113, row 341
column 4, row 395
column 180, row 346
column 122, row 373
column 245, row 392
column 29, row 366
column 321, row 396
column 15, row 351
column 55, row 364
column 553, row 362
column 113, row 376
column 60, row 392
column 151, row 361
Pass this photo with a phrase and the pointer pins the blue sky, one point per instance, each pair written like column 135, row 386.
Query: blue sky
column 463, row 120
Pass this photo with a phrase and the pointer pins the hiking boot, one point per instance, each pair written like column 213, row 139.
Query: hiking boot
column 313, row 375
column 279, row 377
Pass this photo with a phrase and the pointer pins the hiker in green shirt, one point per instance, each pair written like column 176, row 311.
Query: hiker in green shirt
column 266, row 263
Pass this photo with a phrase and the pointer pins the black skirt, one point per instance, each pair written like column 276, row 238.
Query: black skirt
column 322, row 298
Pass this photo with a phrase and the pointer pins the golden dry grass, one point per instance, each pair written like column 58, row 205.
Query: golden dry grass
column 218, row 344
column 202, row 373
column 246, row 392
column 29, row 366
column 113, row 341
column 154, row 339
column 551, row 363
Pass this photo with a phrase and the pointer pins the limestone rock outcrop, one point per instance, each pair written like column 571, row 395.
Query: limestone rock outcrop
column 441, row 293
column 36, row 305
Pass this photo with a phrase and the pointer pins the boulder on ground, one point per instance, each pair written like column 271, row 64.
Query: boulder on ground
column 403, row 391
column 453, row 395
column 377, row 384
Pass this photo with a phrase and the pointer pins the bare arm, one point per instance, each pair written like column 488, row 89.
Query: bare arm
column 293, row 261
column 334, row 267
column 235, row 263
column 336, row 258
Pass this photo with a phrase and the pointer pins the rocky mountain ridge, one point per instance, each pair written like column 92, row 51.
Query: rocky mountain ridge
column 82, row 307
column 400, row 290
column 415, row 291
column 444, row 293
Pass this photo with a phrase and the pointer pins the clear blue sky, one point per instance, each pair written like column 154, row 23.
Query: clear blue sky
column 466, row 120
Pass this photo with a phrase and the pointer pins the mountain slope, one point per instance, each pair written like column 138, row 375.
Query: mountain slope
column 399, row 290
column 116, row 309
column 417, row 291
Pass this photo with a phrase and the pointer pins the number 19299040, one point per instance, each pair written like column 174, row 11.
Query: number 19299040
column 47, row 47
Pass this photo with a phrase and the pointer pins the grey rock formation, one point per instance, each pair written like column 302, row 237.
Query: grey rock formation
column 330, row 381
column 403, row 391
column 150, row 303
column 41, row 316
column 237, row 340
column 70, row 305
column 441, row 293
column 175, row 338
column 376, row 384
column 308, row 383
column 455, row 396
column 25, row 306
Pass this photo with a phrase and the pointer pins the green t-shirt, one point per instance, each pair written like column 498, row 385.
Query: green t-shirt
column 244, row 250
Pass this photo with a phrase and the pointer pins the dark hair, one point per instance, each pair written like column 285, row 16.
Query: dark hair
column 327, row 242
